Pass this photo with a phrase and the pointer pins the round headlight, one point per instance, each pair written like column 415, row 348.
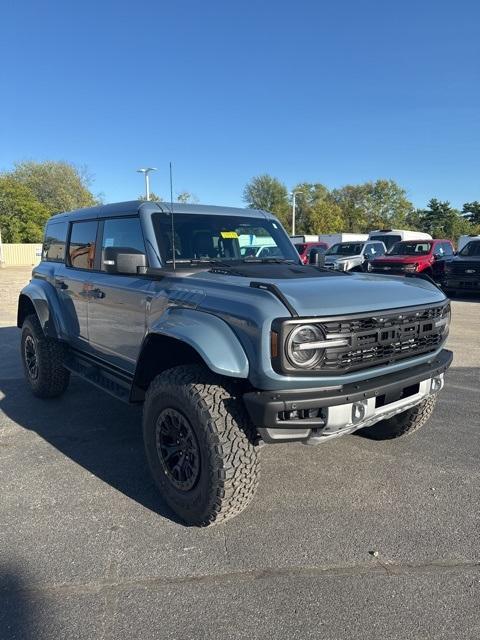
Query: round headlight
column 297, row 346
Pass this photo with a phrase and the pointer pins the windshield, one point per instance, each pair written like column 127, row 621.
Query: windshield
column 410, row 249
column 207, row 237
column 470, row 249
column 345, row 249
column 388, row 240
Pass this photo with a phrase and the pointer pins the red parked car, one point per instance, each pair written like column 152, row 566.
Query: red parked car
column 304, row 249
column 414, row 256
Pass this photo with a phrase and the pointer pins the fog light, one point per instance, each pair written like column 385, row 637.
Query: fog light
column 436, row 384
column 359, row 409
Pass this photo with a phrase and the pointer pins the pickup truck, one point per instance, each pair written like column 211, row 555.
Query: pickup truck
column 353, row 256
column 414, row 256
column 462, row 272
column 155, row 304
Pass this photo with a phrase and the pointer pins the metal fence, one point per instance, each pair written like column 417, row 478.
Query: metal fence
column 20, row 255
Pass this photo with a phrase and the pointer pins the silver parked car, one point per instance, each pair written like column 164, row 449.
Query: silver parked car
column 353, row 256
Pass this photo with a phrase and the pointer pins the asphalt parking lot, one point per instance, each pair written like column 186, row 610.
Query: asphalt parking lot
column 88, row 549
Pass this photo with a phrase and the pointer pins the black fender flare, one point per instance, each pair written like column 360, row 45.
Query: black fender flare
column 44, row 299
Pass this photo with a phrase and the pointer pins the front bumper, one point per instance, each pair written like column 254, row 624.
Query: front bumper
column 466, row 282
column 274, row 413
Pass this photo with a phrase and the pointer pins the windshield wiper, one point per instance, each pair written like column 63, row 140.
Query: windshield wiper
column 217, row 265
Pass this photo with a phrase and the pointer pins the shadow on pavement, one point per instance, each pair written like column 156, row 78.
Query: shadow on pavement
column 96, row 431
column 17, row 617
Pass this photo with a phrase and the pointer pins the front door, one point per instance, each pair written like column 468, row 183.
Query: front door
column 117, row 302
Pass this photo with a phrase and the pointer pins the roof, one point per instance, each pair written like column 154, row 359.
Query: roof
column 423, row 240
column 135, row 206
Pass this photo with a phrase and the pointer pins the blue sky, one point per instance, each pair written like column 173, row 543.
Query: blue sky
column 335, row 92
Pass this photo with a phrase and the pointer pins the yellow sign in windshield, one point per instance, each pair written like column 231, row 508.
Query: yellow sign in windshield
column 229, row 235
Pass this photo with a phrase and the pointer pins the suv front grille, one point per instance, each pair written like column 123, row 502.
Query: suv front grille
column 383, row 319
column 382, row 338
column 376, row 339
column 461, row 268
column 388, row 267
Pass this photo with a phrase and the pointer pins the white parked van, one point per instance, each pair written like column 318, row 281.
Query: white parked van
column 463, row 240
column 335, row 238
column 302, row 239
column 389, row 237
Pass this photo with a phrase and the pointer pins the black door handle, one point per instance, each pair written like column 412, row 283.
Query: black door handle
column 97, row 293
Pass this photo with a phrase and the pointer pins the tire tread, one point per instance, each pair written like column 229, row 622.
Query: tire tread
column 402, row 424
column 229, row 432
column 54, row 378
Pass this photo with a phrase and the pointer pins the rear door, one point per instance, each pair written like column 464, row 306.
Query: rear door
column 74, row 283
column 117, row 303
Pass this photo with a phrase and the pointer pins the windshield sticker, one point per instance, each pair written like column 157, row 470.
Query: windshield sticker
column 229, row 235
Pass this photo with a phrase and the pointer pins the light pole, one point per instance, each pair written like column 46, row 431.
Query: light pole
column 294, row 204
column 147, row 180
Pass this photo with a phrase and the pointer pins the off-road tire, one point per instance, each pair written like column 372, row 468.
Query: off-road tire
column 402, row 424
column 228, row 462
column 51, row 379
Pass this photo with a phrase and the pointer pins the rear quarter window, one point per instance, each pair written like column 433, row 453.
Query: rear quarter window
column 53, row 249
column 81, row 249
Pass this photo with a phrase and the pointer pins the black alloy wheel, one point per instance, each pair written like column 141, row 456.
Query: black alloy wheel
column 177, row 449
column 31, row 358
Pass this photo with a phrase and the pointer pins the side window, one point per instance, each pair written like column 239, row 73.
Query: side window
column 123, row 234
column 380, row 249
column 447, row 249
column 54, row 242
column 81, row 249
column 369, row 251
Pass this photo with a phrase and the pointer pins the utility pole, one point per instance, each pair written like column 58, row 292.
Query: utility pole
column 294, row 204
column 145, row 172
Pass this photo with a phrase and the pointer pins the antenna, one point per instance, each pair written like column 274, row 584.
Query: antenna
column 171, row 214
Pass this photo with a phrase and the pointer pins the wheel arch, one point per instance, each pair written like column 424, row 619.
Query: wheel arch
column 188, row 336
column 40, row 297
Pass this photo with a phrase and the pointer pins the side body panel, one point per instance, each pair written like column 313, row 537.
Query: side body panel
column 116, row 317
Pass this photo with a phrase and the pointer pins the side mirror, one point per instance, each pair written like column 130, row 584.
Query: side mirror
column 123, row 260
column 316, row 258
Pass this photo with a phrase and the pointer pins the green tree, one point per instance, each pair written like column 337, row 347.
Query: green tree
column 351, row 200
column 386, row 205
column 266, row 192
column 373, row 205
column 153, row 197
column 22, row 217
column 441, row 220
column 58, row 186
column 186, row 196
column 471, row 211
column 316, row 212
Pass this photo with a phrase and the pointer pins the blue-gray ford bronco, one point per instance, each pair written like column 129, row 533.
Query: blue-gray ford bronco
column 171, row 306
